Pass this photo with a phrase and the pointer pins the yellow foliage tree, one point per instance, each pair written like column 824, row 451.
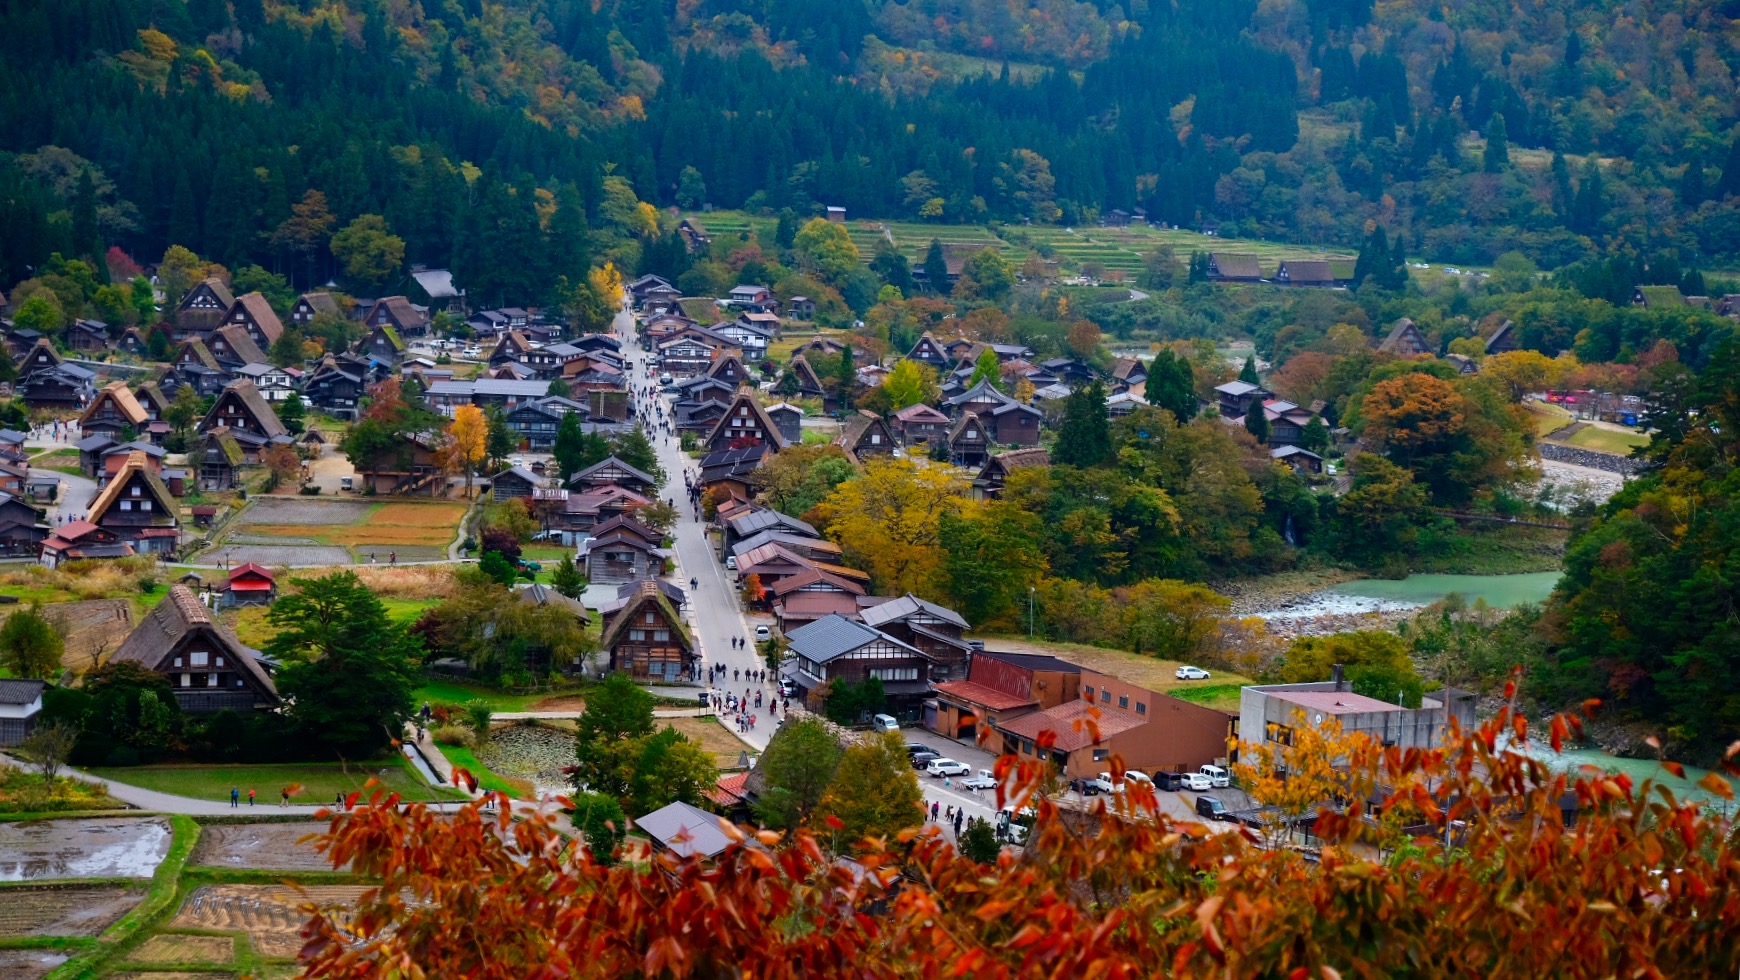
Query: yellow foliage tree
column 885, row 520
column 467, row 436
column 607, row 283
column 1298, row 767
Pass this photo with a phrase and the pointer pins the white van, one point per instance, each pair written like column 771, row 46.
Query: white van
column 1217, row 776
column 884, row 723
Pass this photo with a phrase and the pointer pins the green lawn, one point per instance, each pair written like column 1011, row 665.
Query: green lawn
column 1608, row 440
column 407, row 611
column 320, row 782
column 460, row 693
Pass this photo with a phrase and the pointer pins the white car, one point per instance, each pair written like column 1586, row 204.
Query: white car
column 731, row 562
column 1197, row 782
column 1105, row 784
column 984, row 780
column 763, row 633
column 1188, row 673
column 939, row 768
column 472, row 352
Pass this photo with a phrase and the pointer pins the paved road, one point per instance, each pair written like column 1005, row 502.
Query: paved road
column 714, row 611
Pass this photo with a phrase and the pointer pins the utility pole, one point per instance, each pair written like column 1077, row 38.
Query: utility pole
column 1030, row 612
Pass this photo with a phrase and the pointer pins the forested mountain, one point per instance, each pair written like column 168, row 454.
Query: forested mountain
column 476, row 129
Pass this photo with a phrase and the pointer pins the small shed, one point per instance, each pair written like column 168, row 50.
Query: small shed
column 203, row 515
column 250, row 584
column 20, row 703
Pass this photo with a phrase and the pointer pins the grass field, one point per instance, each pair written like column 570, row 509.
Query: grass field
column 726, row 747
column 1219, row 691
column 1547, row 418
column 487, row 778
column 252, row 628
column 319, row 782
column 1617, row 441
column 460, row 693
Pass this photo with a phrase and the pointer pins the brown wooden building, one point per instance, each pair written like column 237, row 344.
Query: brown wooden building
column 647, row 638
column 209, row 669
column 1000, row 687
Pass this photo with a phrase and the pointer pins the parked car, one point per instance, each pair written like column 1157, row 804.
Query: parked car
column 763, row 633
column 548, row 536
column 938, row 768
column 1196, row 782
column 731, row 562
column 472, row 352
column 786, row 688
column 1189, row 673
column 1217, row 776
column 1213, row 809
column 922, row 759
column 1169, row 781
column 878, row 723
column 1011, row 825
column 914, row 748
column 1086, row 787
column 1105, row 783
column 984, row 780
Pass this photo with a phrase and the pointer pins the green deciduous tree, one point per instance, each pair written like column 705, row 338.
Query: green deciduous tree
column 371, row 254
column 347, row 667
column 30, row 644
column 799, row 765
column 874, row 792
column 618, row 715
column 825, row 248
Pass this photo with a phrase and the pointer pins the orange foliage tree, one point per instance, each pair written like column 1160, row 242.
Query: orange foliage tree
column 1450, row 862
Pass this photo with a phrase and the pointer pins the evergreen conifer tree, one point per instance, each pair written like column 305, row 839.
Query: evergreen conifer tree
column 1692, row 192
column 1248, row 373
column 1172, row 385
column 1257, row 422
column 1497, row 156
column 936, row 268
column 1084, row 438
column 1730, row 182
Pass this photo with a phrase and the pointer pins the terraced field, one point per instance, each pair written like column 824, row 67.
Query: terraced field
column 416, row 530
column 270, row 914
column 63, row 911
column 1118, row 250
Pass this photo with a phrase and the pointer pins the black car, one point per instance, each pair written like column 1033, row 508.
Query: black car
column 922, row 759
column 914, row 748
column 1169, row 781
column 1085, row 787
column 1213, row 809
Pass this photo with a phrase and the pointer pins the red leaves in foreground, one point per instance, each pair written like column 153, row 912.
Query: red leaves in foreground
column 1488, row 881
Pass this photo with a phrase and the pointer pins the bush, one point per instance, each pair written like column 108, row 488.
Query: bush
column 451, row 734
column 309, row 490
column 478, row 714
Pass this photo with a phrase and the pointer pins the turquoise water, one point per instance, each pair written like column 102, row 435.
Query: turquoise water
column 1500, row 591
column 1638, row 769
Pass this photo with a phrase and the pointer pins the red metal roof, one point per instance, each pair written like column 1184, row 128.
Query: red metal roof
column 986, row 697
column 1073, row 723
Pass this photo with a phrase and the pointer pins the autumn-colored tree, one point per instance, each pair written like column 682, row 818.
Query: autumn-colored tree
column 1486, row 877
column 606, row 283
column 466, row 435
column 885, row 521
column 1412, row 412
column 910, row 383
column 1299, row 379
column 1523, row 372
column 874, row 792
column 1083, row 339
column 753, row 590
column 282, row 462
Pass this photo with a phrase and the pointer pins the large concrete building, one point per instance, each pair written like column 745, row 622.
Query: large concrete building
column 1272, row 712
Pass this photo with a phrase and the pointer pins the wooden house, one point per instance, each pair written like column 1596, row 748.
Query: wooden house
column 789, row 419
column 254, row 315
column 383, row 343
column 412, row 465
column 22, row 527
column 866, row 434
column 695, row 236
column 1301, row 460
column 1405, row 340
column 747, row 296
column 642, row 287
column 335, row 388
column 1128, row 374
column 82, row 541
column 220, row 459
column 249, row 584
column 809, row 384
column 310, row 305
column 208, row 668
column 920, row 425
column 20, row 704
column 398, row 312
column 733, row 469
column 745, row 423
column 801, row 308
column 841, row 650
column 648, row 639
column 969, row 441
column 62, row 388
column 115, row 413
column 1503, row 340
column 203, row 309
column 133, row 343
column 1236, row 398
column 1305, row 272
column 622, row 550
column 138, row 508
column 995, row 473
column 934, row 629
column 232, row 346
column 584, row 510
column 88, row 336
column 1233, row 267
column 251, row 421
column 515, row 481
column 614, row 472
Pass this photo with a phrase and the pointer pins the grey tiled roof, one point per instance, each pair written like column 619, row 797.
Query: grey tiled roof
column 832, row 636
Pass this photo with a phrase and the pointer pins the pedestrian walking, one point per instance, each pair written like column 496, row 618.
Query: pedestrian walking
column 284, row 796
column 949, row 812
column 250, row 796
column 235, row 797
column 934, row 806
column 958, row 814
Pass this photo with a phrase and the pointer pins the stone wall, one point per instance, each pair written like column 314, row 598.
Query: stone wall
column 1589, row 457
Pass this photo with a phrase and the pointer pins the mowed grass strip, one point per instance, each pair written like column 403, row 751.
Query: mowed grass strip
column 317, row 782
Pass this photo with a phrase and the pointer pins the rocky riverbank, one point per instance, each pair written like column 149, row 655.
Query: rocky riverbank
column 1298, row 604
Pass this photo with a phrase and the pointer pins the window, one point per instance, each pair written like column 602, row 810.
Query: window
column 661, row 635
column 211, row 680
column 186, row 680
column 200, row 658
column 637, row 634
column 972, row 433
column 875, row 438
column 220, row 661
column 176, row 663
column 1088, row 692
column 649, row 615
column 894, row 673
column 144, row 505
column 1105, row 696
column 1141, row 707
column 135, row 491
column 1100, row 754
column 1123, row 700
